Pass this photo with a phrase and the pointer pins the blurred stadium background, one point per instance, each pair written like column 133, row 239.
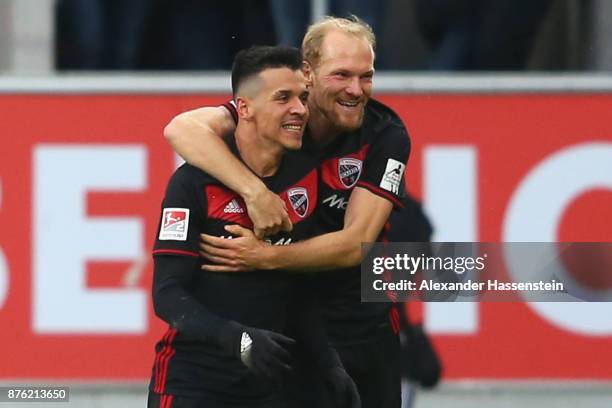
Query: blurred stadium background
column 508, row 105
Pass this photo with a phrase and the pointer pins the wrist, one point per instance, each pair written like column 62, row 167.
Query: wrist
column 251, row 190
column 269, row 258
column 229, row 335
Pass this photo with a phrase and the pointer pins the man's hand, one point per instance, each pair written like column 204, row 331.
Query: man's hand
column 242, row 253
column 268, row 213
column 265, row 353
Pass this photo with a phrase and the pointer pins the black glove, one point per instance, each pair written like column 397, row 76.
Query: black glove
column 420, row 362
column 341, row 387
column 265, row 352
column 342, row 390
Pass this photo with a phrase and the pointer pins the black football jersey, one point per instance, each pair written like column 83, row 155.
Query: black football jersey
column 197, row 203
column 373, row 157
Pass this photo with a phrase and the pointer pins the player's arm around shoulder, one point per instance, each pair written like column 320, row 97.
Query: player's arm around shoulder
column 378, row 190
column 197, row 136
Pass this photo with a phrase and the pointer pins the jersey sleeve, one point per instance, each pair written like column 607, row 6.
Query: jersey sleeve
column 176, row 305
column 384, row 164
column 181, row 219
column 231, row 107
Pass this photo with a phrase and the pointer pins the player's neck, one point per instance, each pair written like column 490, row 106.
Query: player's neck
column 258, row 153
column 320, row 128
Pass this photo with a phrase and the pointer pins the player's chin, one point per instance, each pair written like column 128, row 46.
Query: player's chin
column 292, row 138
column 292, row 143
column 349, row 122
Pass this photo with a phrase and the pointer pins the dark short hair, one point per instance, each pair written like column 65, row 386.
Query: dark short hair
column 256, row 59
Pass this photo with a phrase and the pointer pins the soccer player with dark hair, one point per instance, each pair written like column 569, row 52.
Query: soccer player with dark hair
column 362, row 147
column 224, row 346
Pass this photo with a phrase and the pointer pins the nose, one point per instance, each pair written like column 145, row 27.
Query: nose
column 354, row 87
column 298, row 107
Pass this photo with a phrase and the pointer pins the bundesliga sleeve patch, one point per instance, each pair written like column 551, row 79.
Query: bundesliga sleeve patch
column 174, row 225
column 392, row 178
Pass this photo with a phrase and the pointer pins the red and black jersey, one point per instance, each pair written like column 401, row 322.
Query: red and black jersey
column 372, row 157
column 197, row 203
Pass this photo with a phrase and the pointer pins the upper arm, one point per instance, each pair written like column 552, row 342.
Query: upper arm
column 380, row 186
column 181, row 216
column 385, row 163
column 217, row 120
column 175, row 252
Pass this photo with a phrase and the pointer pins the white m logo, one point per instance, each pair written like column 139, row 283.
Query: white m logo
column 335, row 201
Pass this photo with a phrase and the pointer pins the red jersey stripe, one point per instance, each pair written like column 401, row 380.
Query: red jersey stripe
column 394, row 318
column 175, row 252
column 380, row 192
column 166, row 361
column 159, row 355
column 165, row 355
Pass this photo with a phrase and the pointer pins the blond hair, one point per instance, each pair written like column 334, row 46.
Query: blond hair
column 311, row 45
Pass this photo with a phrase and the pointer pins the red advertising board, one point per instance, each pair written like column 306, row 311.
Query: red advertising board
column 81, row 181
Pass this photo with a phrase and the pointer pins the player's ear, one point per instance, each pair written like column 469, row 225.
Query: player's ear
column 307, row 69
column 243, row 108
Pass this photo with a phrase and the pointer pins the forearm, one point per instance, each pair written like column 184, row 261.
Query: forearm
column 365, row 218
column 340, row 249
column 177, row 307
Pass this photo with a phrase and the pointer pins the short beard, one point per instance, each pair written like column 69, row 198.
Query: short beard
column 347, row 128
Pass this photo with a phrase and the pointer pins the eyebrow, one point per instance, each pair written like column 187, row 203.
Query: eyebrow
column 281, row 92
column 351, row 72
column 289, row 92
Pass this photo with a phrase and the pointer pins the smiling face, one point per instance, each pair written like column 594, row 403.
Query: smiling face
column 279, row 109
column 342, row 79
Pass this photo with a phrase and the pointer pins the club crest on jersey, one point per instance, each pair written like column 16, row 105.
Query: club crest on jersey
column 174, row 224
column 298, row 197
column 349, row 171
